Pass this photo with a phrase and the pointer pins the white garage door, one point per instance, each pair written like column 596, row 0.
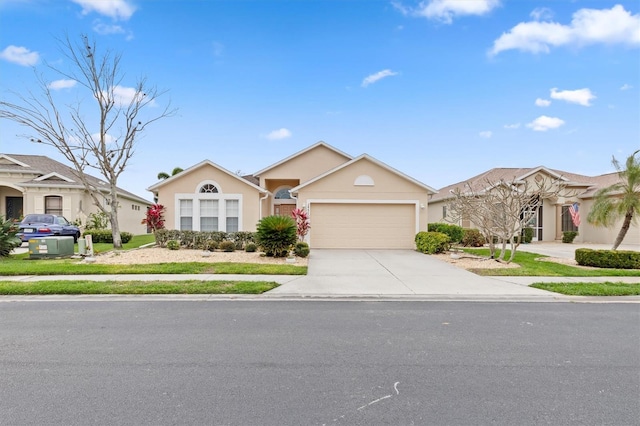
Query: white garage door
column 363, row 226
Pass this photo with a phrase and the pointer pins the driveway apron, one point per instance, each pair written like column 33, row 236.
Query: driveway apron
column 393, row 272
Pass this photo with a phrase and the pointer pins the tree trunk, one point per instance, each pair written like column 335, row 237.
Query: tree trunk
column 113, row 217
column 623, row 231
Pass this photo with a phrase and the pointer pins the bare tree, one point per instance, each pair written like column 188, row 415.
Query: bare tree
column 118, row 119
column 501, row 210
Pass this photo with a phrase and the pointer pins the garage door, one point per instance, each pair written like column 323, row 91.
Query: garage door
column 363, row 226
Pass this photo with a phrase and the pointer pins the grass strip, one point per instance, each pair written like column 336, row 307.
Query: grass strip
column 531, row 267
column 134, row 287
column 591, row 289
column 21, row 265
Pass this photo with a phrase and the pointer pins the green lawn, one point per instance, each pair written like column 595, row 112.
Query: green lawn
column 531, row 267
column 134, row 287
column 135, row 242
column 21, row 265
column 591, row 289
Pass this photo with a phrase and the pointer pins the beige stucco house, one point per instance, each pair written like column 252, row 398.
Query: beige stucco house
column 38, row 184
column 553, row 217
column 352, row 202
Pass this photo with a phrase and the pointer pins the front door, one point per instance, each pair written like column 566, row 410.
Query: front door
column 14, row 208
column 283, row 209
column 535, row 222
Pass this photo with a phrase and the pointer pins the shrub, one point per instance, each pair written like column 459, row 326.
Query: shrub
column 8, row 239
column 154, row 218
column 608, row 258
column 569, row 236
column 432, row 242
column 97, row 221
column 455, row 232
column 210, row 245
column 251, row 247
column 527, row 235
column 105, row 236
column 173, row 245
column 276, row 235
column 302, row 222
column 301, row 249
column 241, row 238
column 472, row 238
column 227, row 246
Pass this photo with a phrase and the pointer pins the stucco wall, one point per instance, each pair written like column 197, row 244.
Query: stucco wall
column 305, row 166
column 190, row 183
column 387, row 186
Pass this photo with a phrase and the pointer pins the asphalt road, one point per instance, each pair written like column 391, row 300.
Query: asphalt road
column 314, row 363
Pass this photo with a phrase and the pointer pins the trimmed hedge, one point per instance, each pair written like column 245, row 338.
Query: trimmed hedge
column 622, row 259
column 455, row 232
column 569, row 236
column 527, row 235
column 301, row 249
column 105, row 236
column 202, row 240
column 472, row 238
column 432, row 242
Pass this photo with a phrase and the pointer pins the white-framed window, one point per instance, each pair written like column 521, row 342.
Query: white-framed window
column 53, row 204
column 206, row 211
column 209, row 215
column 232, row 215
column 186, row 215
column 208, row 188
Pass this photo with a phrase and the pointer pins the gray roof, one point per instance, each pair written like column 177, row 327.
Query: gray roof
column 61, row 175
column 479, row 182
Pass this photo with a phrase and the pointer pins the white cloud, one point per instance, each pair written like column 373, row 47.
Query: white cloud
column 62, row 84
column 581, row 96
column 512, row 126
column 588, row 26
column 279, row 134
column 106, row 29
column 486, row 134
column 20, row 55
column 115, row 9
column 123, row 96
column 541, row 14
column 445, row 10
column 377, row 76
column 544, row 123
column 108, row 139
column 543, row 102
column 626, row 87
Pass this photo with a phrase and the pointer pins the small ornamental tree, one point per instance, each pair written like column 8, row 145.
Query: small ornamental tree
column 276, row 234
column 155, row 217
column 302, row 221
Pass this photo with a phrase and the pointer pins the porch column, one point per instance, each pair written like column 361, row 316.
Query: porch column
column 558, row 222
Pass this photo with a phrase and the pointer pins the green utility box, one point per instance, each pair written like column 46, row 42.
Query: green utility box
column 49, row 247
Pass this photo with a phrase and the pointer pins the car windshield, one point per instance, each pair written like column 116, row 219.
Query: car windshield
column 38, row 218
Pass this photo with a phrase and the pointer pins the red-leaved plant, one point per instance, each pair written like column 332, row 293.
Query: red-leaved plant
column 155, row 217
column 302, row 221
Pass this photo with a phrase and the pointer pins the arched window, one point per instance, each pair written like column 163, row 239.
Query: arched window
column 208, row 189
column 283, row 194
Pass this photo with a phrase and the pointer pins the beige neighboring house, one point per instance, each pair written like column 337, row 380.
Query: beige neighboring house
column 352, row 202
column 553, row 217
column 38, row 184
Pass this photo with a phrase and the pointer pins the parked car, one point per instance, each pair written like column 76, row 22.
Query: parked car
column 46, row 225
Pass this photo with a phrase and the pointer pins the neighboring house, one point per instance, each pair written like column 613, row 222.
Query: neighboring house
column 352, row 202
column 38, row 184
column 553, row 217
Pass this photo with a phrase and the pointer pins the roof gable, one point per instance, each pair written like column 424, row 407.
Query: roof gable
column 154, row 188
column 304, row 151
column 372, row 160
column 53, row 176
column 6, row 160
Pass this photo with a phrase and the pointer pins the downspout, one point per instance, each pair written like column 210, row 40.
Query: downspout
column 266, row 195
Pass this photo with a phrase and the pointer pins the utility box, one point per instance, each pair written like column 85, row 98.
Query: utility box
column 50, row 247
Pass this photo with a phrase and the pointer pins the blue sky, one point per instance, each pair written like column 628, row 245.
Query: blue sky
column 441, row 90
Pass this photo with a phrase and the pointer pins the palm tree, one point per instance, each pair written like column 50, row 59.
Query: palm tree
column 164, row 175
column 621, row 199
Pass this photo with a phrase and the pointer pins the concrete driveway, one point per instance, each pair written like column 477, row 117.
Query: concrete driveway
column 393, row 272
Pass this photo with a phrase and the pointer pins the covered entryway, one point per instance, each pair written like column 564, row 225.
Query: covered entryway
column 361, row 225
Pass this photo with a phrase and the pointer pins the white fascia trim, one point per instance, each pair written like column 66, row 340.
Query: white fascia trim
column 416, row 203
column 54, row 174
column 14, row 161
column 544, row 169
column 195, row 214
